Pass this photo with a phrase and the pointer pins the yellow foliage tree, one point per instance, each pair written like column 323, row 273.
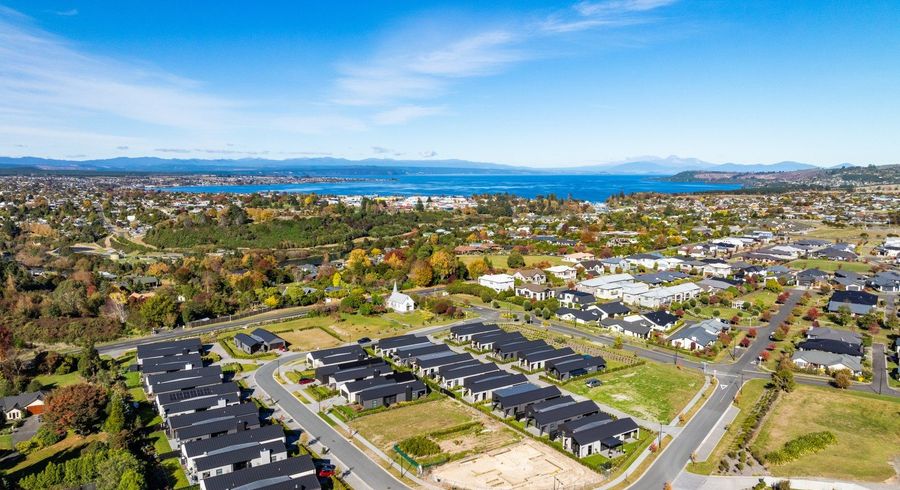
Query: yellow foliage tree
column 442, row 263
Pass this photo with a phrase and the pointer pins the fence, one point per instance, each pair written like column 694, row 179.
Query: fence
column 226, row 318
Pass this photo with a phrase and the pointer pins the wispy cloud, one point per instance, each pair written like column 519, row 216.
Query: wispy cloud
column 403, row 114
column 414, row 68
column 66, row 13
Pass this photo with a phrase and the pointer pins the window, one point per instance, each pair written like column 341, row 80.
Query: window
column 219, row 471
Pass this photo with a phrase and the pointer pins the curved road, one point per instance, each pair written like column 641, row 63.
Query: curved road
column 351, row 457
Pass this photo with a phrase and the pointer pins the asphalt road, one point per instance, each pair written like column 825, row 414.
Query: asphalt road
column 879, row 372
column 678, row 454
column 349, row 455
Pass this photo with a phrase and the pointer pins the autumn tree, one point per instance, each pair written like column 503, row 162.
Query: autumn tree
column 515, row 260
column 442, row 264
column 421, row 273
column 841, row 380
column 358, row 261
column 476, row 268
column 78, row 407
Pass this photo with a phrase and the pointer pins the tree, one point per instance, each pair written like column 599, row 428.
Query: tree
column 69, row 298
column 89, row 364
column 117, row 306
column 812, row 314
column 358, row 261
column 78, row 407
column 116, row 423
column 783, row 379
column 618, row 343
column 442, row 264
column 476, row 268
column 336, row 279
column 515, row 260
column 160, row 310
column 421, row 273
column 6, row 342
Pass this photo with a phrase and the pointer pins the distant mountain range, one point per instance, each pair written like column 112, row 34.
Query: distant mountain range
column 375, row 166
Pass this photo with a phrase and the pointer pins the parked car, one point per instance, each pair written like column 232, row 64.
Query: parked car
column 593, row 383
column 364, row 341
column 306, row 381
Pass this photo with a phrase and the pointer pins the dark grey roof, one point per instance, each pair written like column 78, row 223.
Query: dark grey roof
column 168, row 348
column 421, row 351
column 526, row 397
column 202, row 403
column 443, row 360
column 213, row 444
column 562, row 360
column 833, row 346
column 496, row 374
column 163, row 378
column 20, row 401
column 267, row 336
column 401, row 341
column 854, row 297
column 660, row 318
column 275, row 473
column 576, row 364
column 565, row 413
column 614, row 308
column 187, row 384
column 391, row 389
column 550, row 404
column 502, row 382
column 214, row 391
column 220, row 426
column 360, row 372
column 365, row 384
column 585, row 423
column 549, row 354
column 247, row 340
column 238, row 454
column 171, row 363
column 444, row 370
column 347, row 349
column 516, row 346
column 605, row 431
column 241, row 410
column 472, row 328
column 325, row 371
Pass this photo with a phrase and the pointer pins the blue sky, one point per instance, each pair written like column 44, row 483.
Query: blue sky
column 521, row 82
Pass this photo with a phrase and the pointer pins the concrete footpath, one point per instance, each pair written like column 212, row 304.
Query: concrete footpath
column 691, row 481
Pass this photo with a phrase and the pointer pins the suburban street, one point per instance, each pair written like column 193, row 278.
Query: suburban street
column 362, row 470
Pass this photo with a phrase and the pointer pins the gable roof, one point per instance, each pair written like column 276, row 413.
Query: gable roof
column 20, row 401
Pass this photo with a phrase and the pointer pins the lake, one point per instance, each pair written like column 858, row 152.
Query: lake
column 585, row 187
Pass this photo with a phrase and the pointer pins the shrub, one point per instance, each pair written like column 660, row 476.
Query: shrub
column 806, row 444
column 419, row 446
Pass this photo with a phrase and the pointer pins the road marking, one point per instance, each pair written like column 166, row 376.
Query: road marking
column 723, row 387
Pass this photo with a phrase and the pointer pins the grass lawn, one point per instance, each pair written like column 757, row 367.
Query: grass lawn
column 418, row 318
column 762, row 297
column 867, row 428
column 59, row 380
column 6, row 441
column 171, row 465
column 499, row 261
column 753, row 389
column 66, row 449
column 652, row 391
column 829, row 265
column 384, row 429
column 328, row 331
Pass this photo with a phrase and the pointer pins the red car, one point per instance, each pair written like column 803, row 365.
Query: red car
column 326, row 471
column 306, row 381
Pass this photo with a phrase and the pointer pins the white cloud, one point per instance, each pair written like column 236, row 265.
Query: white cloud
column 66, row 13
column 404, row 114
column 611, row 13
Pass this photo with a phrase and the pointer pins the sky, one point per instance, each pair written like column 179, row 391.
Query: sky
column 546, row 84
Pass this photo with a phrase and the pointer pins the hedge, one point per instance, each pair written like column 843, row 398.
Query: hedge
column 796, row 448
column 419, row 446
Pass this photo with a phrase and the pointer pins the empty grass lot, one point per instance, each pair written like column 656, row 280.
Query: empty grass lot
column 867, row 428
column 59, row 380
column 499, row 261
column 651, row 391
column 66, row 449
column 829, row 265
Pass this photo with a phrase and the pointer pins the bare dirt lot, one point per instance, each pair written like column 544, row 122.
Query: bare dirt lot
column 527, row 464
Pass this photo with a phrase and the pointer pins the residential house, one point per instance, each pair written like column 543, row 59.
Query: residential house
column 259, row 340
column 564, row 272
column 571, row 298
column 811, row 278
column 19, row 406
column 609, row 310
column 298, row 473
column 826, row 361
column 464, row 333
column 497, row 282
column 534, row 292
column 698, row 335
column 655, row 298
column 531, row 276
column 598, row 435
column 563, row 369
column 858, row 302
column 629, row 326
column 515, row 400
column 167, row 349
column 335, row 355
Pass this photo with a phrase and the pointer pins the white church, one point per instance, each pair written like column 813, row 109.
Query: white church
column 399, row 302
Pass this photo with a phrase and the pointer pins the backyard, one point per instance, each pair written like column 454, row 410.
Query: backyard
column 652, row 391
column 829, row 265
column 867, row 428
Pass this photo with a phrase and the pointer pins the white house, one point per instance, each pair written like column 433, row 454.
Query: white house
column 534, row 276
column 497, row 282
column 717, row 269
column 399, row 302
column 654, row 298
column 564, row 272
